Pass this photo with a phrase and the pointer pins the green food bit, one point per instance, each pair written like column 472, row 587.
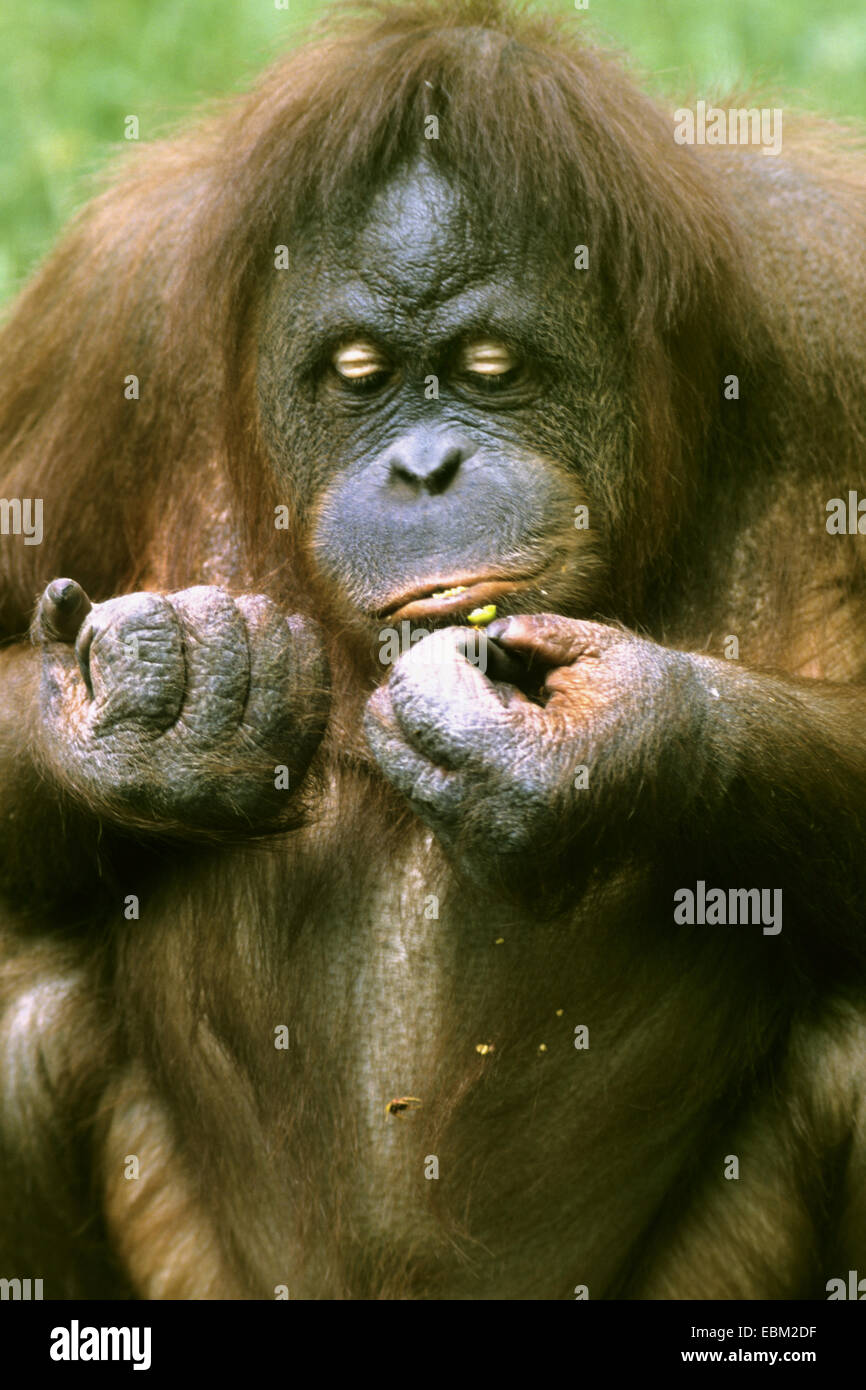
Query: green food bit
column 480, row 617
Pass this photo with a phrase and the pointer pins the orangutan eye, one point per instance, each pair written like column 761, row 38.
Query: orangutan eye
column 360, row 364
column 488, row 358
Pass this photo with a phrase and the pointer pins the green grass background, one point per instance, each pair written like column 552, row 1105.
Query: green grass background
column 73, row 69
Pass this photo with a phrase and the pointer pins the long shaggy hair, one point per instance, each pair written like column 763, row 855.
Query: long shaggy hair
column 161, row 275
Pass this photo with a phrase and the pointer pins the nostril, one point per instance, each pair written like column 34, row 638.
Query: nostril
column 401, row 473
column 426, row 471
column 443, row 476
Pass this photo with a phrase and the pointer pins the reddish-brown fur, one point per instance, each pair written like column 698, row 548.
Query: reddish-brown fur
column 154, row 1038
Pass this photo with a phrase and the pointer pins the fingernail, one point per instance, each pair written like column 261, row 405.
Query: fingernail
column 63, row 592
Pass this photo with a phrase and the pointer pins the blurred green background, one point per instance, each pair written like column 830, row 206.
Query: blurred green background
column 73, row 69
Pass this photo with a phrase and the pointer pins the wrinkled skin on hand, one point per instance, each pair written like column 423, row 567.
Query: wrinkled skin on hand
column 493, row 771
column 177, row 708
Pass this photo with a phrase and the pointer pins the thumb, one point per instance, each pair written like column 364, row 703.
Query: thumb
column 547, row 639
column 60, row 612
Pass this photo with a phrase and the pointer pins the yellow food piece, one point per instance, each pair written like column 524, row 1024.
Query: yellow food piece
column 480, row 617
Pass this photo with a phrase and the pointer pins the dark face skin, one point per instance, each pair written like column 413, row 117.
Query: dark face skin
column 413, row 381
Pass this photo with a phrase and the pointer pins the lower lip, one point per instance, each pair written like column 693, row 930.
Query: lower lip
column 474, row 596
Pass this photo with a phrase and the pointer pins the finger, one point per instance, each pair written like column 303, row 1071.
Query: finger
column 433, row 793
column 548, row 639
column 445, row 706
column 131, row 659
column 289, row 680
column 61, row 610
column 216, row 649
